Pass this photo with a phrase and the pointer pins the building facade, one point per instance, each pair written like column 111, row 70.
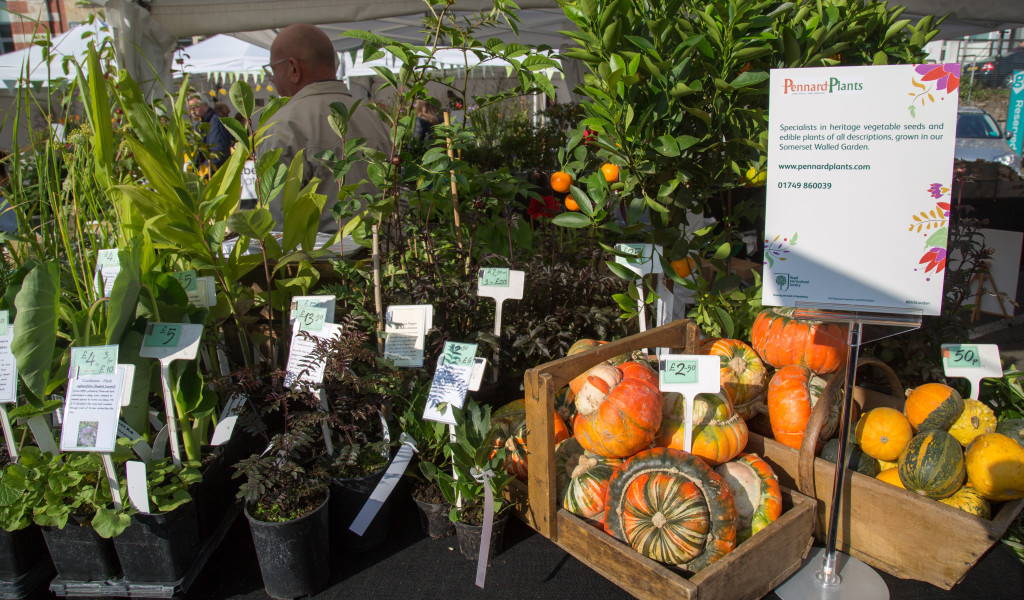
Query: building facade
column 21, row 19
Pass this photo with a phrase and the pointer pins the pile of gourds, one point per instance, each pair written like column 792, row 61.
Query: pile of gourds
column 941, row 446
column 946, row 448
column 622, row 466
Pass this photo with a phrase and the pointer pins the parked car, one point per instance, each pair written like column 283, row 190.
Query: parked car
column 996, row 71
column 979, row 137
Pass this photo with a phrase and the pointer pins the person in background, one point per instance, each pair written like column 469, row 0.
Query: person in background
column 302, row 66
column 426, row 118
column 216, row 141
column 222, row 110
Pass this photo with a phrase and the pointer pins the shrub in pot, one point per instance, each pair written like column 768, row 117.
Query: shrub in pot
column 430, row 438
column 285, row 490
column 473, row 454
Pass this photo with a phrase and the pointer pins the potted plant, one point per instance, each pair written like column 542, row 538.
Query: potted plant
column 162, row 545
column 24, row 561
column 473, row 453
column 431, row 439
column 286, row 491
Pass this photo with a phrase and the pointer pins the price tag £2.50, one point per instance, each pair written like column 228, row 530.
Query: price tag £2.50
column 689, row 375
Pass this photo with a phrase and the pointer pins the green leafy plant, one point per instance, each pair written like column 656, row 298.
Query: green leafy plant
column 472, row 453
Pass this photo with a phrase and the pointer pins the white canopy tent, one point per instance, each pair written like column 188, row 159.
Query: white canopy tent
column 146, row 32
column 29, row 66
column 222, row 57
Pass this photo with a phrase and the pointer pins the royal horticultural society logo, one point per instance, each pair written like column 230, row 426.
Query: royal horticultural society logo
column 823, row 86
column 782, row 280
column 1018, row 82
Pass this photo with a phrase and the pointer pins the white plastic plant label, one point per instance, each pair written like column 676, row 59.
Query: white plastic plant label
column 501, row 285
column 477, row 376
column 92, row 407
column 642, row 259
column 973, row 362
column 689, row 375
column 8, row 367
column 108, row 265
column 138, row 488
column 139, row 445
column 406, row 327
column 228, row 418
column 385, row 486
column 324, row 301
column 451, row 382
column 168, row 342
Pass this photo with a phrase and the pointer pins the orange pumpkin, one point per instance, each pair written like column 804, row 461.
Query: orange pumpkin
column 782, row 340
column 719, row 434
column 792, row 393
column 883, row 432
column 744, row 377
column 619, row 410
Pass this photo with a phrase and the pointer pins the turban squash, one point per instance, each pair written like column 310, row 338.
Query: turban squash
column 744, row 377
column 618, row 409
column 582, row 479
column 719, row 434
column 673, row 508
column 782, row 340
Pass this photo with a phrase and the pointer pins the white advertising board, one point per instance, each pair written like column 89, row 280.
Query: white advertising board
column 860, row 166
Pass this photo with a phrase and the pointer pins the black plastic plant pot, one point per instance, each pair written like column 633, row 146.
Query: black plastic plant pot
column 347, row 498
column 469, row 537
column 294, row 556
column 20, row 552
column 215, row 493
column 80, row 554
column 434, row 518
column 159, row 547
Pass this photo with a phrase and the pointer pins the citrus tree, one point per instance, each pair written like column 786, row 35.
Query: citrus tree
column 677, row 98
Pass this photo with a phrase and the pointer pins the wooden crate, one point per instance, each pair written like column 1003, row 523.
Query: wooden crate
column 752, row 570
column 899, row 532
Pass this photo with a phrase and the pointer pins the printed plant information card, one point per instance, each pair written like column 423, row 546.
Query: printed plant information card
column 93, row 402
column 859, row 177
column 406, row 327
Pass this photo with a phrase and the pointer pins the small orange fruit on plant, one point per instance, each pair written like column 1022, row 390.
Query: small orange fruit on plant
column 611, row 172
column 571, row 204
column 684, row 266
column 560, row 181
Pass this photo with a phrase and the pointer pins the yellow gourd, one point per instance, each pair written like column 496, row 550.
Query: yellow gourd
column 970, row 501
column 891, row 476
column 976, row 419
column 995, row 466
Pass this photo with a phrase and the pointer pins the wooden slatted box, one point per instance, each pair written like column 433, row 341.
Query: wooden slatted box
column 753, row 569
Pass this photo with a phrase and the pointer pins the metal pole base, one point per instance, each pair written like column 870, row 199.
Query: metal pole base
column 854, row 580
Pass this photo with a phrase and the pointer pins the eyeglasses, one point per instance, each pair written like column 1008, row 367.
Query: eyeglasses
column 269, row 67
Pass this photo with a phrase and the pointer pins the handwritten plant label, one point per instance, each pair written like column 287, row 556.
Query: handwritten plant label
column 93, row 360
column 500, row 284
column 187, row 279
column 162, row 335
column 171, row 341
column 642, row 258
column 973, row 362
column 689, row 375
column 8, row 364
column 92, row 408
column 324, row 301
column 451, row 382
column 310, row 318
column 108, row 265
column 405, row 327
column 493, row 278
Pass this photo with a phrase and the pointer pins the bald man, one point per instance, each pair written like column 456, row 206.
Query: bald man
column 303, row 65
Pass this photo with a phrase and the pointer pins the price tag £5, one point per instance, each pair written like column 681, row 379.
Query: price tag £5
column 162, row 335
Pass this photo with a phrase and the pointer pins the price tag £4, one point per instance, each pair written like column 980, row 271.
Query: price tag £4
column 93, row 360
column 689, row 375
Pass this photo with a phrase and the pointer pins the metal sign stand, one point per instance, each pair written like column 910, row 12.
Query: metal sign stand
column 827, row 574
